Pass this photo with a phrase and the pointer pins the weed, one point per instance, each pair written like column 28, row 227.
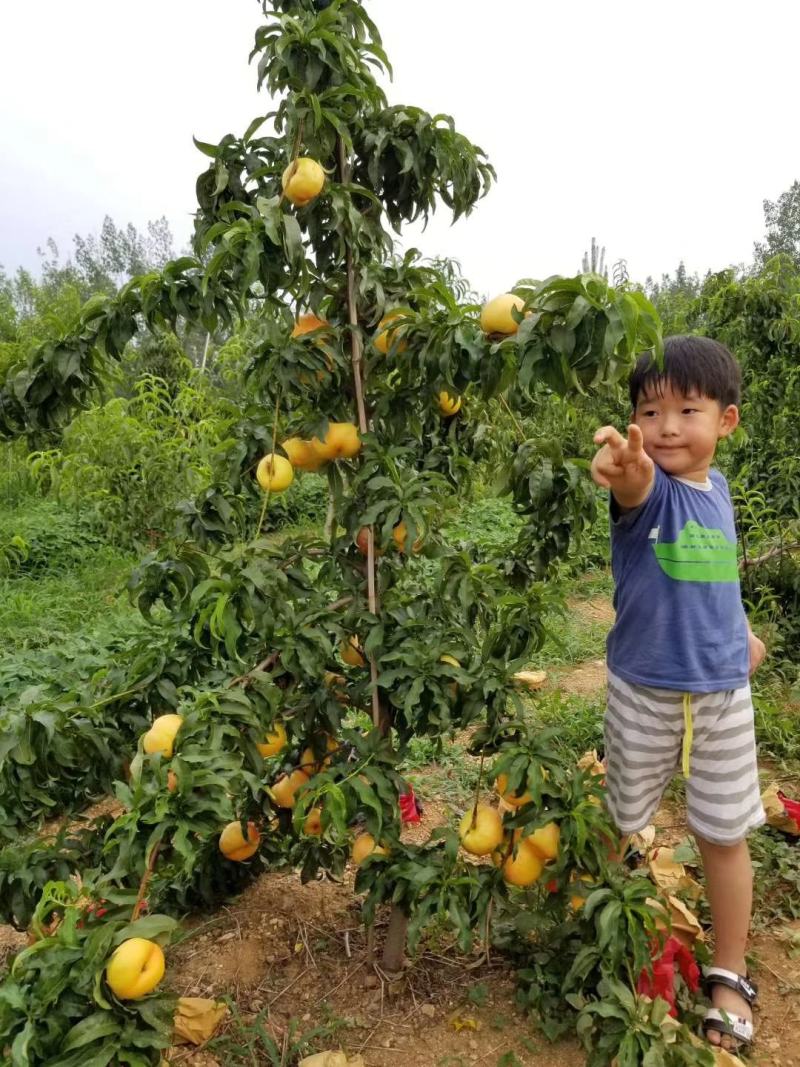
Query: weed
column 777, row 728
column 489, row 525
column 579, row 720
column 252, row 1039
column 450, row 773
column 478, row 994
column 41, row 611
column 776, row 877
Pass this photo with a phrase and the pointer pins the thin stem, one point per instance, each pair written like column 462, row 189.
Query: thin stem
column 151, row 864
column 295, row 153
column 778, row 550
column 478, row 791
column 272, row 468
column 114, row 696
column 516, row 422
column 356, row 353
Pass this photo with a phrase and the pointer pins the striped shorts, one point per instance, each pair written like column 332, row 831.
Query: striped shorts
column 644, row 741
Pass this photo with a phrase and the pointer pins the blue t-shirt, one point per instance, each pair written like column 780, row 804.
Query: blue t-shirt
column 680, row 621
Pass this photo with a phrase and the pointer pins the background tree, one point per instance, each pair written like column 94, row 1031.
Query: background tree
column 782, row 218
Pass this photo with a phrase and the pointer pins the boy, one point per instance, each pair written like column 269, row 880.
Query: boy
column 681, row 650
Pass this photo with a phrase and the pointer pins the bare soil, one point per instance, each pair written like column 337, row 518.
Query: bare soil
column 300, row 952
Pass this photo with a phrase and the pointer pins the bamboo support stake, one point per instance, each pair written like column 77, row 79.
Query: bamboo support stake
column 356, row 352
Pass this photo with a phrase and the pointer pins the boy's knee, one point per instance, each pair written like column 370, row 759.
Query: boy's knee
column 718, row 848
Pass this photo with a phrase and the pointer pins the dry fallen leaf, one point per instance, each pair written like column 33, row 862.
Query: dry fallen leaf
column 197, row 1019
column 589, row 762
column 530, row 679
column 464, row 1022
column 684, row 923
column 332, row 1059
column 645, row 839
column 777, row 815
column 671, row 876
column 721, row 1057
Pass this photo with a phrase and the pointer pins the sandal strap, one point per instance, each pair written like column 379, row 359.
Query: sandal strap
column 730, row 1025
column 739, row 983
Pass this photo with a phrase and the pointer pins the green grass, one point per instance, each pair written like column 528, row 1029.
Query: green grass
column 489, row 524
column 450, row 775
column 577, row 721
column 40, row 610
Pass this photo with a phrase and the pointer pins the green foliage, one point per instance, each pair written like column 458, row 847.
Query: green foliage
column 54, row 1004
column 13, row 553
column 782, row 218
column 577, row 722
column 158, row 356
column 484, row 527
column 776, row 877
column 759, row 319
column 674, row 299
column 127, row 464
column 55, row 540
column 583, row 334
column 637, row 1031
column 777, row 727
column 220, row 597
column 43, row 608
column 27, row 867
column 54, row 754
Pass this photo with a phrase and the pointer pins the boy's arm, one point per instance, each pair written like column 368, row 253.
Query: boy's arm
column 623, row 466
column 757, row 648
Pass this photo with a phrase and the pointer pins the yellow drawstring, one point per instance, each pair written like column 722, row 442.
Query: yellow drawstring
column 688, row 731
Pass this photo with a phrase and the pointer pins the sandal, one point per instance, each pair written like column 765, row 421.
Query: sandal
column 734, row 1026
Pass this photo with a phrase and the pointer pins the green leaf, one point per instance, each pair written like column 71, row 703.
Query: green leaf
column 100, row 1024
column 152, row 927
column 208, row 149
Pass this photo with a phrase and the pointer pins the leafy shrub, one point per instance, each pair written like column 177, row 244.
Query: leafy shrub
column 127, row 462
column 26, row 868
column 54, row 1005
column 17, row 484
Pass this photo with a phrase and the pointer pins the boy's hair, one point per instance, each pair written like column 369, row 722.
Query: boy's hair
column 697, row 364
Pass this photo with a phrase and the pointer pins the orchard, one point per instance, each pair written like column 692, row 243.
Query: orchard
column 267, row 720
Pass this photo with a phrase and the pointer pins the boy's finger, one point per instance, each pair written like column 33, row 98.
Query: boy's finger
column 635, row 438
column 609, row 435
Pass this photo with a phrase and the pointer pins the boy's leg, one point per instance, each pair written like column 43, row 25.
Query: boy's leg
column 643, row 728
column 724, row 804
column 729, row 886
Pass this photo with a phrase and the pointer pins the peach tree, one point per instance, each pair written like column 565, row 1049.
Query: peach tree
column 292, row 674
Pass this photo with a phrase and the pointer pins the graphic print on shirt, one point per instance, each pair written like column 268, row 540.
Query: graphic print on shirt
column 697, row 555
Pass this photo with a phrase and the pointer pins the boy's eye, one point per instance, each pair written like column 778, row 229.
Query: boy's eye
column 649, row 411
column 690, row 411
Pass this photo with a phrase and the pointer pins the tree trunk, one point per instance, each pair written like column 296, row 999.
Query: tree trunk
column 394, row 949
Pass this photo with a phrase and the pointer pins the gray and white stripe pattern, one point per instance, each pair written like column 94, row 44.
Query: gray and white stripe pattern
column 643, row 737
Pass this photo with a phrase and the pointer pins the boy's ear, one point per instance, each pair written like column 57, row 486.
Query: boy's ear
column 729, row 420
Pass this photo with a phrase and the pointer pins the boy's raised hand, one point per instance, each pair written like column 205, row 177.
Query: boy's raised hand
column 623, row 466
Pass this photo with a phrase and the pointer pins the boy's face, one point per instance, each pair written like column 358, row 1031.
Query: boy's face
column 681, row 431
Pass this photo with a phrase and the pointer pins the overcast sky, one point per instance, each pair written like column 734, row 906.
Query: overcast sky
column 659, row 127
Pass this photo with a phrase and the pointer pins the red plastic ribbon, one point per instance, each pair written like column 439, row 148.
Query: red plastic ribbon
column 409, row 808
column 674, row 959
column 792, row 807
